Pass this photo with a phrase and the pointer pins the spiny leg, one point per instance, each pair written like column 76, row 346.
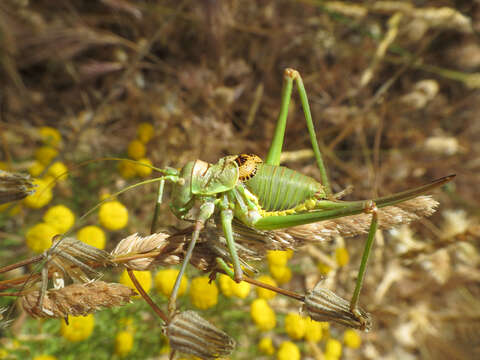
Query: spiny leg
column 372, row 208
column 206, row 211
column 273, row 156
column 226, row 216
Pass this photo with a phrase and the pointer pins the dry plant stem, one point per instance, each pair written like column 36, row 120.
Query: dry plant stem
column 161, row 184
column 146, row 297
column 32, row 260
column 290, row 294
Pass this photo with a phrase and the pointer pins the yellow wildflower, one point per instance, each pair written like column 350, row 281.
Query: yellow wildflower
column 39, row 237
column 10, row 210
column 36, row 168
column 323, row 268
column 266, row 346
column 50, row 136
column 231, row 288
column 136, row 150
column 165, row 279
column 143, row 277
column 113, row 215
column 127, row 169
column 295, row 326
column 351, row 339
column 58, row 171
column 145, row 132
column 288, row 351
column 277, row 257
column 203, row 294
column 45, row 154
column 123, row 343
column 341, row 254
column 262, row 314
column 313, row 331
column 79, row 328
column 41, row 196
column 264, row 293
column 93, row 236
column 282, row 274
column 44, row 357
column 141, row 170
column 60, row 217
column 333, row 348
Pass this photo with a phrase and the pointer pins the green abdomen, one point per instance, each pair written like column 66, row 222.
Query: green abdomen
column 280, row 188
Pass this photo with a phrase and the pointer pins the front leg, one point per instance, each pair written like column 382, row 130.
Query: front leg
column 226, row 216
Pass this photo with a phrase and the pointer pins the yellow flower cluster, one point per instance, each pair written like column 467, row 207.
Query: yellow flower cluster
column 333, row 349
column 277, row 263
column 136, row 150
column 123, row 343
column 264, row 293
column 165, row 279
column 351, row 339
column 203, row 294
column 288, row 351
column 42, row 195
column 79, row 327
column 262, row 314
column 266, row 346
column 60, row 217
column 39, row 237
column 113, row 215
column 231, row 288
column 143, row 277
column 295, row 326
column 93, row 236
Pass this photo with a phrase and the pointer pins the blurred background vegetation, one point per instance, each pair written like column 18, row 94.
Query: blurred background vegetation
column 393, row 87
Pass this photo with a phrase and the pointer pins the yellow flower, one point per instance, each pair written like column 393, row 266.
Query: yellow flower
column 295, row 326
column 39, row 237
column 282, row 274
column 36, row 168
column 288, row 351
column 45, row 154
column 351, row 339
column 79, row 328
column 10, row 210
column 313, row 331
column 50, row 136
column 262, row 314
column 127, row 169
column 145, row 132
column 277, row 257
column 323, row 268
column 136, row 150
column 333, row 348
column 93, row 236
column 44, row 357
column 203, row 294
column 41, row 197
column 341, row 254
column 60, row 217
column 141, row 170
column 113, row 215
column 264, row 293
column 231, row 288
column 165, row 279
column 58, row 171
column 123, row 343
column 143, row 277
column 266, row 346
column 3, row 166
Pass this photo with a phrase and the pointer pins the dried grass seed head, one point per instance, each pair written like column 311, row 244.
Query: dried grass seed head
column 77, row 299
column 189, row 333
column 14, row 186
column 324, row 305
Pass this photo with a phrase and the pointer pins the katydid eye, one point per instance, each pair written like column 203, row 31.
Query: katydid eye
column 247, row 166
